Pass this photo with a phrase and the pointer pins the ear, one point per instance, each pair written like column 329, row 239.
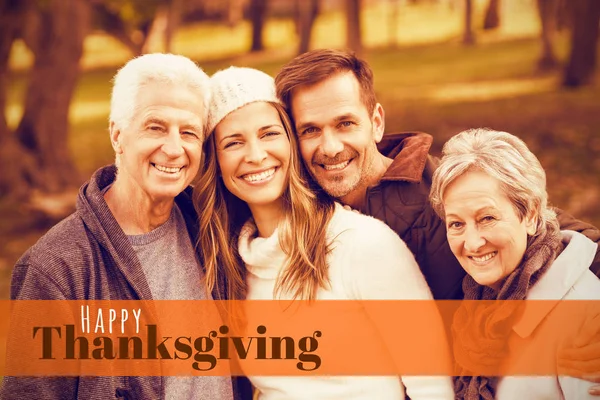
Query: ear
column 531, row 221
column 378, row 121
column 115, row 138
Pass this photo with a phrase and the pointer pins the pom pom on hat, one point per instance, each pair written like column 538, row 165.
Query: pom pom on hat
column 233, row 88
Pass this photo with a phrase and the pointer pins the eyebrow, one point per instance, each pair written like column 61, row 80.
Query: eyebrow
column 233, row 135
column 158, row 121
column 304, row 125
column 155, row 120
column 264, row 128
column 337, row 119
column 344, row 117
column 192, row 127
column 261, row 129
column 478, row 211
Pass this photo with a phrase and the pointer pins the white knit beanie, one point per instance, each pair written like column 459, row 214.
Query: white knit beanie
column 235, row 87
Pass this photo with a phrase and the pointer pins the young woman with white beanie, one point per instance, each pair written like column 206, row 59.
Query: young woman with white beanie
column 275, row 235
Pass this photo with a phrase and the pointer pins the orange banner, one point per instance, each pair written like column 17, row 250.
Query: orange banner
column 143, row 338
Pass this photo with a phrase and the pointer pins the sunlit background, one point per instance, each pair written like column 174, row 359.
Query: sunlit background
column 441, row 66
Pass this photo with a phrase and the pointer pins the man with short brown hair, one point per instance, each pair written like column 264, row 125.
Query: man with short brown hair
column 331, row 99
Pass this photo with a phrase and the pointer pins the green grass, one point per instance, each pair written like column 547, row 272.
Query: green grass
column 440, row 88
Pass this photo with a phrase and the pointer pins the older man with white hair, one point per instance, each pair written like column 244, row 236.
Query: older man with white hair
column 132, row 235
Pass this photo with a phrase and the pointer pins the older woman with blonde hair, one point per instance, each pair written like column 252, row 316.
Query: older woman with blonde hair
column 491, row 192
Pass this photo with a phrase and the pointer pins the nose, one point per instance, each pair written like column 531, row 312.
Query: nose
column 473, row 240
column 172, row 146
column 255, row 152
column 330, row 144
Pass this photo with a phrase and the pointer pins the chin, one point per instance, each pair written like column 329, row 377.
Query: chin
column 169, row 194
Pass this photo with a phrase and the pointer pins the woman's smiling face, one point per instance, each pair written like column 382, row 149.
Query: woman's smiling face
column 253, row 152
column 484, row 231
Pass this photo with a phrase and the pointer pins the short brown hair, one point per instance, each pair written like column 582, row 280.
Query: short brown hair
column 317, row 65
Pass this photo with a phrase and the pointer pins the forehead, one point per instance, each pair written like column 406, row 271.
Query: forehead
column 472, row 191
column 248, row 119
column 337, row 95
column 163, row 99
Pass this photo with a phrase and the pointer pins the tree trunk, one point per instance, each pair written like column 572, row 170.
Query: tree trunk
column 492, row 15
column 468, row 36
column 393, row 21
column 173, row 22
column 547, row 11
column 111, row 23
column 353, row 26
column 235, row 12
column 584, row 39
column 307, row 11
column 157, row 30
column 258, row 13
column 16, row 163
column 44, row 127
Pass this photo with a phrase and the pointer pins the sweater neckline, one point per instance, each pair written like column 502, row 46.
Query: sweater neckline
column 157, row 233
column 263, row 257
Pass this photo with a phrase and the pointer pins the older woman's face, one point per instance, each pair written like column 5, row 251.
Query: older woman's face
column 483, row 228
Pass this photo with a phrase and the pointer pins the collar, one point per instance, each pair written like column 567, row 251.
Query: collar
column 558, row 280
column 263, row 256
column 101, row 224
column 410, row 151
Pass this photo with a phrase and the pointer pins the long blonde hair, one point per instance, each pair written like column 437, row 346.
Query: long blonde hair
column 302, row 232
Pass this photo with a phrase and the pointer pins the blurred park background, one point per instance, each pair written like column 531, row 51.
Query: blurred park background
column 441, row 66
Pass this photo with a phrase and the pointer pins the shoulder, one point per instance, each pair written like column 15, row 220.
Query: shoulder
column 579, row 254
column 359, row 229
column 374, row 260
column 569, row 277
column 64, row 239
column 587, row 287
column 65, row 250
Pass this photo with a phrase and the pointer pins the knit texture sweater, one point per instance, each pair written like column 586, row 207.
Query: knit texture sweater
column 367, row 261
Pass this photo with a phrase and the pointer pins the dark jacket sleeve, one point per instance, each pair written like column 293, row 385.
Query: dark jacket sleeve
column 568, row 222
column 29, row 283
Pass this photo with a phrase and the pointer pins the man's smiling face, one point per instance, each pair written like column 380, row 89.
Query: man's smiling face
column 337, row 134
column 161, row 148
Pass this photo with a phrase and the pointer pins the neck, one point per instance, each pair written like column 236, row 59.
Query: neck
column 356, row 198
column 135, row 212
column 267, row 217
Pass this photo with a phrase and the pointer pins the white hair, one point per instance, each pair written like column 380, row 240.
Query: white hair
column 157, row 67
column 502, row 156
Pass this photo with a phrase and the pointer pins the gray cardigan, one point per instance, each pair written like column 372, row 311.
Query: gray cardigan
column 87, row 256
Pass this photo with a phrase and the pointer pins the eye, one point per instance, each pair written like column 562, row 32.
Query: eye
column 156, row 128
column 455, row 225
column 272, row 134
column 231, row 144
column 189, row 133
column 487, row 218
column 345, row 124
column 309, row 131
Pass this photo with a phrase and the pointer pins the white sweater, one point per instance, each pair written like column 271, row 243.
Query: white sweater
column 368, row 261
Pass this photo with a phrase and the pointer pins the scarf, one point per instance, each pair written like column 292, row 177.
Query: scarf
column 480, row 331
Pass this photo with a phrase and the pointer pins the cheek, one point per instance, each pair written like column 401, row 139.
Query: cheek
column 285, row 152
column 455, row 243
column 195, row 154
column 227, row 165
column 307, row 149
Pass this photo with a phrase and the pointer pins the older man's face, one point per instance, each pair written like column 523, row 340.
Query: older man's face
column 160, row 150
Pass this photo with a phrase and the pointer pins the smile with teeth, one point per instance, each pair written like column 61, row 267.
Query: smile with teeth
column 168, row 170
column 484, row 258
column 261, row 176
column 335, row 167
